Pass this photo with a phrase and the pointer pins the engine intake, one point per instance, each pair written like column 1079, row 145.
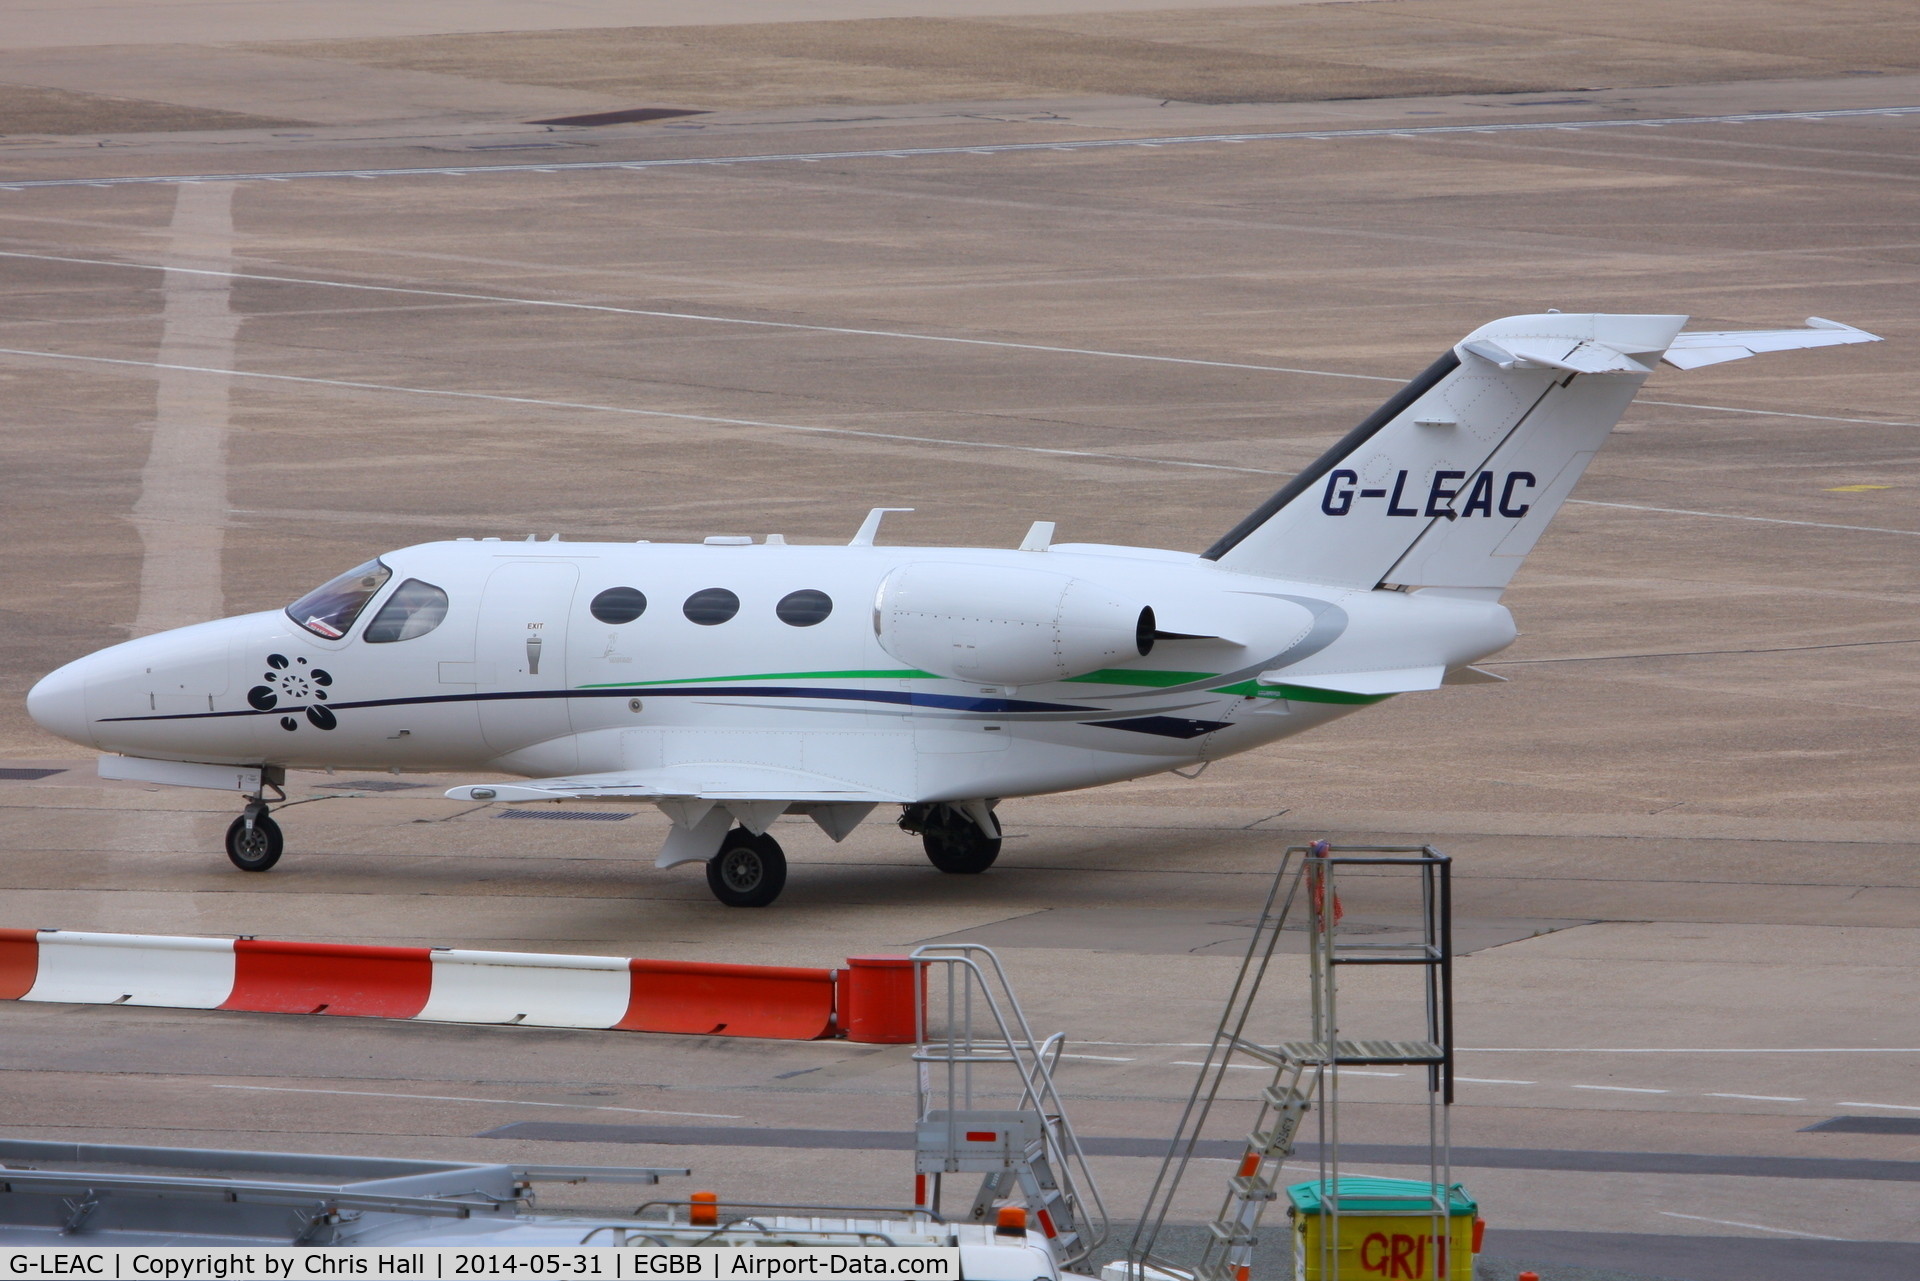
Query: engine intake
column 1003, row 626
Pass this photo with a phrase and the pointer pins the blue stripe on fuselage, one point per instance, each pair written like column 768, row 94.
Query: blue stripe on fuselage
column 947, row 702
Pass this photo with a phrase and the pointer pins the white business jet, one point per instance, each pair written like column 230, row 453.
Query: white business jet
column 730, row 682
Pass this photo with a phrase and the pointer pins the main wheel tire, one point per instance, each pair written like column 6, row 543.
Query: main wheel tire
column 954, row 843
column 257, row 849
column 749, row 870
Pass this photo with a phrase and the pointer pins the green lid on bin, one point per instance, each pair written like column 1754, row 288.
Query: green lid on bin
column 1360, row 1194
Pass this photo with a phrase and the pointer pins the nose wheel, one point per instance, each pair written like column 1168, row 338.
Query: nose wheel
column 749, row 870
column 253, row 841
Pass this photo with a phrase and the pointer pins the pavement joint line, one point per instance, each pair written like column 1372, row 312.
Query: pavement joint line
column 1765, row 520
column 1257, row 1067
column 1006, row 148
column 1689, row 653
column 1758, row 1098
column 1758, row 1227
column 852, row 331
column 1618, row 1089
column 708, row 319
column 1773, row 413
column 1826, row 170
column 835, row 431
column 857, row 333
column 642, row 413
column 1367, row 1154
column 452, row 1098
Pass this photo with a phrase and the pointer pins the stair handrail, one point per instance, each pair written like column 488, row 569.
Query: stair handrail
column 1229, row 1036
column 1032, row 1058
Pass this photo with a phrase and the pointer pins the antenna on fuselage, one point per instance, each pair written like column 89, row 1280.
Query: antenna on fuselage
column 1039, row 537
column 871, row 525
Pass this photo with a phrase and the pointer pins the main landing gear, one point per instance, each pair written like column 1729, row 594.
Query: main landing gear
column 749, row 870
column 953, row 840
column 253, row 840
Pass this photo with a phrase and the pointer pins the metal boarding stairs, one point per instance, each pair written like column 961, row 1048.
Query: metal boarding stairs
column 1308, row 1071
column 968, row 1024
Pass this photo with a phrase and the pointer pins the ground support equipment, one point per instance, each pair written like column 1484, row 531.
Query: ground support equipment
column 971, row 1033
column 1305, row 1075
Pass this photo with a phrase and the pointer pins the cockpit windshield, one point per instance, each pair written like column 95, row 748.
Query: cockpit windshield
column 414, row 609
column 330, row 610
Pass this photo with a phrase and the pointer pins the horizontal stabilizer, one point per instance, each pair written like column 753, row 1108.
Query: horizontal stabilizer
column 1399, row 680
column 1574, row 357
column 1691, row 351
column 1473, row 676
column 708, row 782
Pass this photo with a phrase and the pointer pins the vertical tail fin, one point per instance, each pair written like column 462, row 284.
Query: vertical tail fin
column 1451, row 482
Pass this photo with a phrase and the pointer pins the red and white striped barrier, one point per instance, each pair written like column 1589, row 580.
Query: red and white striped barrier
column 871, row 1000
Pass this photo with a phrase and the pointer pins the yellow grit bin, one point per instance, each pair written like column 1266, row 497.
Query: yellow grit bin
column 1386, row 1232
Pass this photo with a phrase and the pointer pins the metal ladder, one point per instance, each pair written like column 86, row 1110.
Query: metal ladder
column 1306, row 1072
column 966, row 1018
column 1235, row 1230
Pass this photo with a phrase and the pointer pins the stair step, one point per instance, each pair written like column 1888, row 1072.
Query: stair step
column 1283, row 1097
column 1278, row 1139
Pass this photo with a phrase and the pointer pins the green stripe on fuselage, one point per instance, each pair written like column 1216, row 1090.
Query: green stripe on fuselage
column 902, row 674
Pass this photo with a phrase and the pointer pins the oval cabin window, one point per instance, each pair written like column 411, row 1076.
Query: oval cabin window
column 711, row 606
column 618, row 605
column 804, row 608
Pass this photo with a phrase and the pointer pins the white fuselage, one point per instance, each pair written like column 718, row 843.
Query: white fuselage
column 827, row 699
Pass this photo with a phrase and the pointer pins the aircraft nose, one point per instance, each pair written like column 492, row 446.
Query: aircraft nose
column 58, row 704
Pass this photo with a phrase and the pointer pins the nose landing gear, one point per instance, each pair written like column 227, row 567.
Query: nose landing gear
column 253, row 840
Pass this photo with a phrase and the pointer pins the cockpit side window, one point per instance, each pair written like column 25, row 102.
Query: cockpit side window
column 329, row 610
column 414, row 609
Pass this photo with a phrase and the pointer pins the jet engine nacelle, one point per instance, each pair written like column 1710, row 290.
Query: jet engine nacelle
column 1002, row 626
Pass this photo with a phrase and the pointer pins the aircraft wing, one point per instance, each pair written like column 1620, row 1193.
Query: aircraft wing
column 707, row 782
column 1691, row 351
column 1400, row 680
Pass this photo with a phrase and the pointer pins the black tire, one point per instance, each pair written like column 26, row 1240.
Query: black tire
column 749, row 870
column 954, row 843
column 256, row 850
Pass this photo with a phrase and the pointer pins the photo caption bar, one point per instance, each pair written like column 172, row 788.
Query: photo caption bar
column 439, row 1263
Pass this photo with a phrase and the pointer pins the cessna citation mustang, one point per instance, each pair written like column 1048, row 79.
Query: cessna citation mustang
column 731, row 682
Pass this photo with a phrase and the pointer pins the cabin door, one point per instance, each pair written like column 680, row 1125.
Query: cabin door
column 522, row 654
